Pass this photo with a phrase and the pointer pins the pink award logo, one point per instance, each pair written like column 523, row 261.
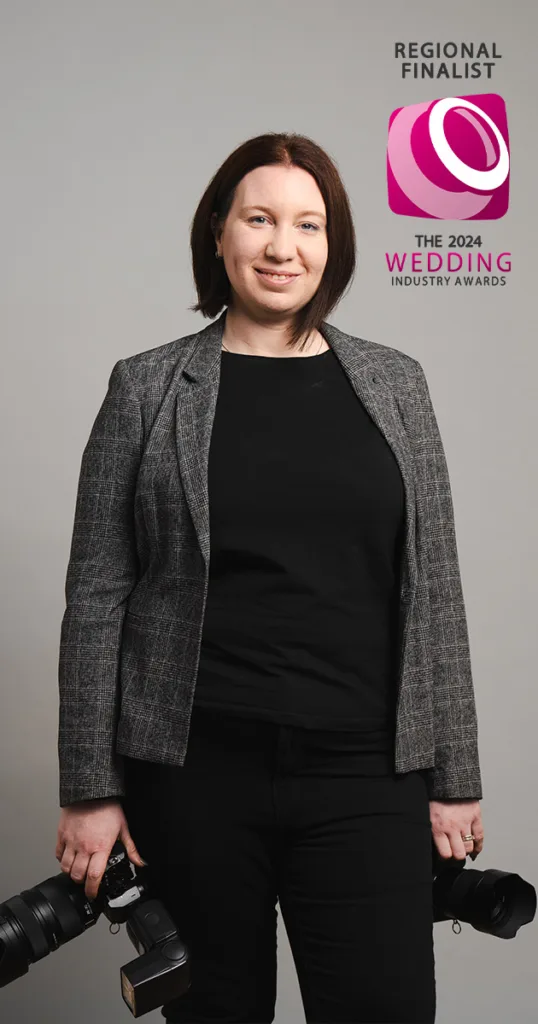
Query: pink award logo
column 449, row 159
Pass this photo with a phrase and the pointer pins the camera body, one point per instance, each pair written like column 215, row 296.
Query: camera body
column 161, row 971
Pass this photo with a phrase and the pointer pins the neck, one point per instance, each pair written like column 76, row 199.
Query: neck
column 246, row 336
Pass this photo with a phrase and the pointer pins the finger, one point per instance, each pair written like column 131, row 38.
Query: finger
column 130, row 848
column 79, row 866
column 459, row 848
column 442, row 844
column 477, row 830
column 96, row 870
column 477, row 849
column 60, row 847
column 68, row 857
column 468, row 846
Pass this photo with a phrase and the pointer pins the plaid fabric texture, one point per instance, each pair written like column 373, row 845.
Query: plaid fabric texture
column 137, row 574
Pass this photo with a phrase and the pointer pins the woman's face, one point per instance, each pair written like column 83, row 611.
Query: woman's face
column 278, row 222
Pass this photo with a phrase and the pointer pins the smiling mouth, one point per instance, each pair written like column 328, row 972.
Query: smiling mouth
column 274, row 273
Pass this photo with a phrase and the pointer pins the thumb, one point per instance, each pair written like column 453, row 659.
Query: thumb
column 130, row 847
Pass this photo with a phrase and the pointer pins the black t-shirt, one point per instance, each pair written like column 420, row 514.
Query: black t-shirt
column 306, row 525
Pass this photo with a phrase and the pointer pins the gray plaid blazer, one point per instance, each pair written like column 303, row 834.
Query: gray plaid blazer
column 137, row 575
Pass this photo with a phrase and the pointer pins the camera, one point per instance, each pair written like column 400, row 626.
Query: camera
column 41, row 919
column 492, row 901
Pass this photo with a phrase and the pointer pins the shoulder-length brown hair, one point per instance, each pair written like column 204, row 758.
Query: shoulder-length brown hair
column 287, row 148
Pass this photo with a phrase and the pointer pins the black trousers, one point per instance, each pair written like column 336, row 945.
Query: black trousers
column 262, row 813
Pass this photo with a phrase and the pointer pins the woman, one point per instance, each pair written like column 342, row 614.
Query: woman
column 281, row 708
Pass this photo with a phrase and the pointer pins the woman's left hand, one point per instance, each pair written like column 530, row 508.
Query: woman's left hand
column 453, row 819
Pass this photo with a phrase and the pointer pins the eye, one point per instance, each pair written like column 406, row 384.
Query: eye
column 261, row 217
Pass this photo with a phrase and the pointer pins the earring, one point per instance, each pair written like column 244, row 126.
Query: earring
column 217, row 254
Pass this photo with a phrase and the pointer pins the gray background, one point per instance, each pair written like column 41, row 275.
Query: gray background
column 113, row 118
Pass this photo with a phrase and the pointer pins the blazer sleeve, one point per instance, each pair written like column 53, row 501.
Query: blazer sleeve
column 456, row 774
column 101, row 573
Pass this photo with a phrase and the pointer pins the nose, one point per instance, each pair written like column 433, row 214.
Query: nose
column 282, row 246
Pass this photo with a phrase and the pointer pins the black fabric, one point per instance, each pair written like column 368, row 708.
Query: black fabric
column 261, row 813
column 307, row 525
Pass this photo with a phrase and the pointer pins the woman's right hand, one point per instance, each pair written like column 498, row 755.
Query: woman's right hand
column 87, row 832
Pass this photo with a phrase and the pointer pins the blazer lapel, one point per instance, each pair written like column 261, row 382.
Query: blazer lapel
column 195, row 410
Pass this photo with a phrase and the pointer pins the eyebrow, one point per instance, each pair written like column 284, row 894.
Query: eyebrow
column 305, row 213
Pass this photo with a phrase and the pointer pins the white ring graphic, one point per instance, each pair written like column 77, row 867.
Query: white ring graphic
column 483, row 180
